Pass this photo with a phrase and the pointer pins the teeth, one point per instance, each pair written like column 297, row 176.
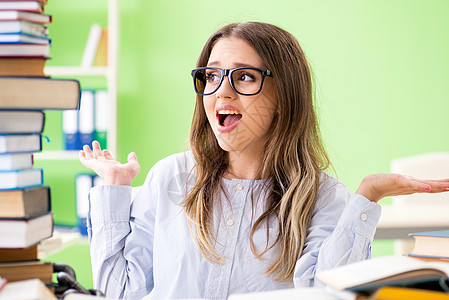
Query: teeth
column 228, row 112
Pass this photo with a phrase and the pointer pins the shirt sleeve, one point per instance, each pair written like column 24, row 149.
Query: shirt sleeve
column 121, row 239
column 341, row 231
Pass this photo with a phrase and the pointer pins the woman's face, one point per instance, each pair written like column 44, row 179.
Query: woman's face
column 240, row 123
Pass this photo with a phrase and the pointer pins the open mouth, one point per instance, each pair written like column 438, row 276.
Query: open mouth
column 228, row 119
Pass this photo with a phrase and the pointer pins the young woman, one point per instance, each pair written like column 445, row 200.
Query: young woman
column 249, row 208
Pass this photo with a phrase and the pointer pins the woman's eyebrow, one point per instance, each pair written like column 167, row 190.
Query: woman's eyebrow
column 236, row 65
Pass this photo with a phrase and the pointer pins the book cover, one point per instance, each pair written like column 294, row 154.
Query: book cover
column 39, row 93
column 16, row 161
column 12, row 121
column 432, row 244
column 20, row 143
column 371, row 274
column 23, row 233
column 25, row 203
column 16, row 179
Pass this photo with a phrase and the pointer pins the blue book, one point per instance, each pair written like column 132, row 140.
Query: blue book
column 17, row 179
column 431, row 244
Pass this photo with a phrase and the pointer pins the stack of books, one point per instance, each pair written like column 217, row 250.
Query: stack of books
column 431, row 245
column 25, row 206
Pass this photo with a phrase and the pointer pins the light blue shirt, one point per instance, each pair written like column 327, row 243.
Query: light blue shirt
column 145, row 244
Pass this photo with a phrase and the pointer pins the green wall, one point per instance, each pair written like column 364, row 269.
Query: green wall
column 381, row 70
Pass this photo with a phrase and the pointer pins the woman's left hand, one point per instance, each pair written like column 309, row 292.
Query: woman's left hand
column 377, row 186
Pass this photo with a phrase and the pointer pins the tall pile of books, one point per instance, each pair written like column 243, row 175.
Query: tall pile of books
column 25, row 206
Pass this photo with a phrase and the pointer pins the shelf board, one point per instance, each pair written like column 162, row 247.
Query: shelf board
column 76, row 71
column 57, row 155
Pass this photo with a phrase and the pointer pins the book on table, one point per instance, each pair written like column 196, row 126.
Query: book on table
column 22, row 66
column 22, row 121
column 431, row 244
column 34, row 6
column 18, row 38
column 24, row 50
column 22, row 26
column 25, row 232
column 19, row 143
column 25, row 203
column 372, row 274
column 39, row 93
column 16, row 179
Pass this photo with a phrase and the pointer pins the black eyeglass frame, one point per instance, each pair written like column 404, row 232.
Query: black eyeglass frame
column 228, row 73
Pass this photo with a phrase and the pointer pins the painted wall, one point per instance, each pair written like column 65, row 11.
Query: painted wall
column 381, row 70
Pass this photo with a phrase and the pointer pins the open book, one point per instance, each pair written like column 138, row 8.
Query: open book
column 388, row 270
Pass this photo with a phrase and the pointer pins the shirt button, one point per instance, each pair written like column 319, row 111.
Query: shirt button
column 239, row 187
column 363, row 217
column 230, row 222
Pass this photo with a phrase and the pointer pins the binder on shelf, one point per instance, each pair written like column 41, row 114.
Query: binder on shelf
column 70, row 129
column 86, row 117
column 83, row 184
column 101, row 117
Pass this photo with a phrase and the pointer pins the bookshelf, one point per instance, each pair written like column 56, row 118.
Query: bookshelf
column 109, row 73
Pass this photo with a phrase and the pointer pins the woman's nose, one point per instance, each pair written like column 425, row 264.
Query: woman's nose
column 225, row 90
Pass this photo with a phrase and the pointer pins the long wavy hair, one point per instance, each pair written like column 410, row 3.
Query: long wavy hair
column 293, row 156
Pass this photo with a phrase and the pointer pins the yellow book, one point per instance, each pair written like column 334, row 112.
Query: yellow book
column 402, row 293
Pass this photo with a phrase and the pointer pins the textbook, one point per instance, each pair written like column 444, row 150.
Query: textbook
column 25, row 203
column 381, row 271
column 27, row 270
column 25, row 27
column 30, row 289
column 13, row 143
column 12, row 121
column 22, row 5
column 10, row 15
column 18, row 38
column 22, row 66
column 39, row 93
column 18, row 254
column 432, row 244
column 15, row 161
column 22, row 233
column 15, row 179
column 403, row 293
column 25, row 50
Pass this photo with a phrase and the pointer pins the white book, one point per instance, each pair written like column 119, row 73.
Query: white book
column 91, row 46
column 25, row 15
column 31, row 289
column 19, row 26
column 10, row 143
column 26, row 50
column 21, row 121
column 23, row 38
column 14, row 179
column 16, row 161
column 21, row 5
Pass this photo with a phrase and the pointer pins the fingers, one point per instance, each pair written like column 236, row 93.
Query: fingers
column 96, row 149
column 132, row 156
column 107, row 154
column 87, row 152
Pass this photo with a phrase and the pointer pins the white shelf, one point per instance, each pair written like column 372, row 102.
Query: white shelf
column 76, row 71
column 57, row 155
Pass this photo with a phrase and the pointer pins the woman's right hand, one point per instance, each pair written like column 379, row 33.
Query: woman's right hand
column 112, row 171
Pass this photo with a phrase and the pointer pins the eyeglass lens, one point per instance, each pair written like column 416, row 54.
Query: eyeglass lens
column 245, row 81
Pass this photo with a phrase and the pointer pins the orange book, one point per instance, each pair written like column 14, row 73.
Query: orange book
column 22, row 66
column 402, row 293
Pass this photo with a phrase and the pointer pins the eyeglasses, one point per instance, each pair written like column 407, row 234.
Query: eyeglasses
column 244, row 81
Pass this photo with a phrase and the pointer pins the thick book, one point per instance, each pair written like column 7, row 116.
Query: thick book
column 404, row 293
column 35, row 6
column 19, row 143
column 22, row 121
column 25, row 50
column 21, row 26
column 16, row 179
column 25, row 203
column 11, row 15
column 27, row 270
column 18, row 38
column 39, row 93
column 22, row 66
column 432, row 244
column 15, row 161
column 30, row 289
column 18, row 254
column 22, row 233
column 372, row 274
